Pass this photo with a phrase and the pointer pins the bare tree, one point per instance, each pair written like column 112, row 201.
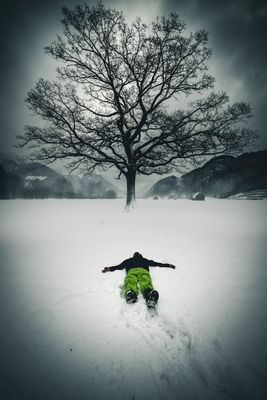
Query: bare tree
column 116, row 84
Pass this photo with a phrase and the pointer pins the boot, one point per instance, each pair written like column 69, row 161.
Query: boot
column 147, row 293
column 152, row 298
column 131, row 297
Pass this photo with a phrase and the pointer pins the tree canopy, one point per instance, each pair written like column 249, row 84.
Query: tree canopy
column 121, row 97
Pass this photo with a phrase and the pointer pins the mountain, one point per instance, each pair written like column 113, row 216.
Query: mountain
column 93, row 186
column 31, row 180
column 171, row 187
column 226, row 176
column 19, row 179
column 220, row 177
column 23, row 169
column 11, row 166
column 36, row 169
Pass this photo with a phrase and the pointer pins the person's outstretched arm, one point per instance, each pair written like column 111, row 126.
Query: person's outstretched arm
column 158, row 264
column 115, row 267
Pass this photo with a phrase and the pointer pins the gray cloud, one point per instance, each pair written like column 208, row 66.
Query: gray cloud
column 25, row 28
column 237, row 31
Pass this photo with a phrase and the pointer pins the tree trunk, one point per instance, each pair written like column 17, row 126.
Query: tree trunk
column 130, row 178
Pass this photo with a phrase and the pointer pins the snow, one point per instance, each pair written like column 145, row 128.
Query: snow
column 66, row 332
column 34, row 178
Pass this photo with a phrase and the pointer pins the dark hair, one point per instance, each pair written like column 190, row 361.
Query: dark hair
column 137, row 254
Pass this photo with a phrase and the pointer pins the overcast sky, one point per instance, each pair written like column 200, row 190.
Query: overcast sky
column 237, row 33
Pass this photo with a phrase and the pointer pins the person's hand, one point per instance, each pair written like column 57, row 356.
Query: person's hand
column 106, row 269
column 172, row 266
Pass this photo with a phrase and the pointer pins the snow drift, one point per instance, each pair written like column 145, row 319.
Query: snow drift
column 66, row 332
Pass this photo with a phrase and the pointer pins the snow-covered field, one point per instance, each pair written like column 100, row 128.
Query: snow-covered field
column 66, row 332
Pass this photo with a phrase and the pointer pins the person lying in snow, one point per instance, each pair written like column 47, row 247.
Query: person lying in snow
column 137, row 270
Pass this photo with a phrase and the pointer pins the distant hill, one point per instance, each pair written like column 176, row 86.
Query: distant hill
column 93, row 186
column 22, row 168
column 171, row 187
column 226, row 176
column 37, row 169
column 220, row 177
column 11, row 166
column 34, row 180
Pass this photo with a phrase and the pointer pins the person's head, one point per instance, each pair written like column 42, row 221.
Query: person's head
column 137, row 255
